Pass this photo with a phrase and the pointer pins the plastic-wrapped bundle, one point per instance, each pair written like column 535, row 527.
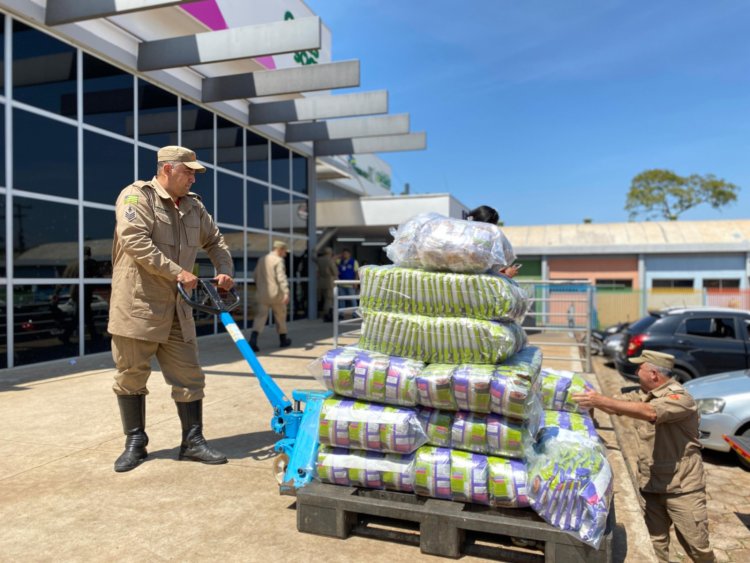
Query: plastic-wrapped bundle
column 507, row 482
column 469, row 477
column 437, row 426
column 475, row 432
column 369, row 376
column 441, row 294
column 368, row 426
column 471, row 387
column 440, row 339
column 580, row 423
column 557, row 388
column 435, row 387
column 432, row 472
column 434, row 242
column 509, row 396
column 359, row 468
column 570, row 484
column 525, row 364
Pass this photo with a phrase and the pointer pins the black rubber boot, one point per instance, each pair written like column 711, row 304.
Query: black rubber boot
column 254, row 341
column 133, row 415
column 284, row 341
column 194, row 446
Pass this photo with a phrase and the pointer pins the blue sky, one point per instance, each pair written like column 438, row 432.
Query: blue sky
column 546, row 109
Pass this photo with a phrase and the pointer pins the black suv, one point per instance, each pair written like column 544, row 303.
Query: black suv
column 703, row 341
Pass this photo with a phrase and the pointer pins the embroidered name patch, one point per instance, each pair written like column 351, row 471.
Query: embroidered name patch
column 130, row 214
column 675, row 397
column 131, row 199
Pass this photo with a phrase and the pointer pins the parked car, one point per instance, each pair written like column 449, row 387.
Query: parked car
column 703, row 340
column 598, row 337
column 613, row 344
column 724, row 403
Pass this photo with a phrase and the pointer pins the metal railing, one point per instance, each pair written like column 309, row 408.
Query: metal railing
column 351, row 295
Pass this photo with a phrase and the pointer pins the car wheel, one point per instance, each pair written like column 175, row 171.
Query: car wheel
column 744, row 462
column 681, row 375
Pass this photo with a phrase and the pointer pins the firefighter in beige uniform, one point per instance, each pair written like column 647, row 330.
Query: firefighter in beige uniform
column 160, row 225
column 271, row 290
column 670, row 467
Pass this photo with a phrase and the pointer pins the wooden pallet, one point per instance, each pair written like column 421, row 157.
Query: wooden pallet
column 442, row 527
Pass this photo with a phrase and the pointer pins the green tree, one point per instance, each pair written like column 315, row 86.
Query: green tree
column 662, row 193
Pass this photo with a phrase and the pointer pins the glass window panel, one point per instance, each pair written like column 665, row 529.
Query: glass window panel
column 258, row 245
column 2, row 239
column 257, row 156
column 95, row 317
column 300, row 214
column 280, row 210
column 146, row 164
column 3, row 327
column 300, row 300
column 2, row 55
column 229, row 139
column 198, row 131
column 45, row 324
column 44, row 71
column 299, row 173
column 107, row 167
column 157, row 115
column 107, row 96
column 257, row 206
column 45, row 239
column 98, row 228
column 234, row 239
column 55, row 174
column 204, row 187
column 2, row 136
column 229, row 208
column 279, row 166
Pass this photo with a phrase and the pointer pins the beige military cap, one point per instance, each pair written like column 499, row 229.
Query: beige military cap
column 173, row 153
column 655, row 358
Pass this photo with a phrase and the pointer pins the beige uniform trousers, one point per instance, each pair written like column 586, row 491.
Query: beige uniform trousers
column 279, row 316
column 688, row 513
column 178, row 361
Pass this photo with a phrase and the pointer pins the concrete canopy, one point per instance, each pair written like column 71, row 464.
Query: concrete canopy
column 319, row 107
column 387, row 143
column 68, row 11
column 230, row 44
column 309, row 78
column 348, row 128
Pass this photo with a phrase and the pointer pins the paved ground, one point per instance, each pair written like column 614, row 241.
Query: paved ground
column 60, row 499
column 728, row 485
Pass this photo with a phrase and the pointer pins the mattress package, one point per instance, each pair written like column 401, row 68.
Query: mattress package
column 431, row 241
column 440, row 294
column 440, row 339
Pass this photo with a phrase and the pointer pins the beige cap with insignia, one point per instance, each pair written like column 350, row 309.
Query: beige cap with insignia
column 173, row 153
column 653, row 357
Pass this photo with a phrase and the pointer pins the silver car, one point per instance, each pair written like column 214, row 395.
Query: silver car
column 724, row 403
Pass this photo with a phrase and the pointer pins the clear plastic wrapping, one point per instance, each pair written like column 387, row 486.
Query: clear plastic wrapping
column 439, row 294
column 431, row 241
column 558, row 386
column 433, row 472
column 368, row 426
column 488, row 434
column 570, row 484
column 503, row 389
column 580, row 423
column 440, row 339
column 359, row 468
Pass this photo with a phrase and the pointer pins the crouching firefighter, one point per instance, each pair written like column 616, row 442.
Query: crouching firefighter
column 160, row 226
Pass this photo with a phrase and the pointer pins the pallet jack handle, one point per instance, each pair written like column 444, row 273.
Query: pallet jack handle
column 215, row 304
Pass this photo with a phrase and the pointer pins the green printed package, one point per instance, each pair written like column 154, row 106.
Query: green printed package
column 441, row 294
column 440, row 339
column 435, row 387
column 437, row 425
column 469, row 477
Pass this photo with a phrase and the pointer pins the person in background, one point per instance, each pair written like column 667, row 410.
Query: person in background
column 160, row 226
column 487, row 214
column 327, row 274
column 670, row 466
column 272, row 291
column 348, row 269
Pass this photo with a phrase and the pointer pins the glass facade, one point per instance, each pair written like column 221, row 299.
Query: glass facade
column 83, row 129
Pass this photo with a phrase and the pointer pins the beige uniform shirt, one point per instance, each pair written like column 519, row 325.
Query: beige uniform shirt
column 327, row 271
column 271, row 283
column 669, row 458
column 153, row 242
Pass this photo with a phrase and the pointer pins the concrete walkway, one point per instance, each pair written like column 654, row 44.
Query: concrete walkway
column 61, row 500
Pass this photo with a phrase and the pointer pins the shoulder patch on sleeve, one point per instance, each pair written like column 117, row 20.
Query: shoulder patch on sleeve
column 131, row 199
column 674, row 396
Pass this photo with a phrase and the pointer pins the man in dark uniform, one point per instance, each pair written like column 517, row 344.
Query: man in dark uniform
column 670, row 467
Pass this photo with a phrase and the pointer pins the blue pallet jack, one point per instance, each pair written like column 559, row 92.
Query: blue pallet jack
column 294, row 467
